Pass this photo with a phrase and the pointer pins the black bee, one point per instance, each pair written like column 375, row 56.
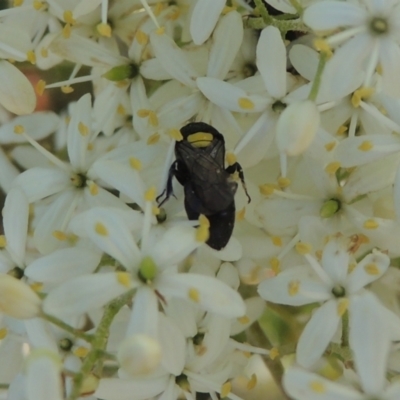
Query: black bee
column 209, row 187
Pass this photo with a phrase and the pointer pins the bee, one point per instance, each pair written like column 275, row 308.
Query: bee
column 209, row 187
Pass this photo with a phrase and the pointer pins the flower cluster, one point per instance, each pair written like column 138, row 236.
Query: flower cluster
column 118, row 283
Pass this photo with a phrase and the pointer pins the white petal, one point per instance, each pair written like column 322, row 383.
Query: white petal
column 227, row 40
column 8, row 172
column 271, row 61
column 390, row 59
column 16, row 92
column 305, row 60
column 335, row 260
column 63, row 264
column 369, row 341
column 333, row 14
column 317, row 334
column 209, row 293
column 83, row 294
column 255, row 306
column 15, row 222
column 204, row 18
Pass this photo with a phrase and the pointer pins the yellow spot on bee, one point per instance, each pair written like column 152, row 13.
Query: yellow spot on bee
column 59, row 235
column 371, row 224
column 303, row 248
column 40, row 86
column 3, row 241
column 317, row 387
column 251, row 384
column 245, row 103
column 175, row 134
column 366, row 146
column 293, row 288
column 81, row 351
column 67, row 89
column 230, row 158
column 83, row 129
column 332, row 167
column 3, row 333
column 31, row 56
column 273, row 353
column 200, row 139
column 124, row 278
column 372, row 269
column 104, row 30
column 18, row 129
column 343, row 305
column 225, row 389
column 141, row 37
column 150, row 194
column 244, row 320
column 203, row 231
column 93, row 189
column 194, row 295
column 135, row 163
column 330, row 146
column 101, row 229
column 153, row 139
column 68, row 17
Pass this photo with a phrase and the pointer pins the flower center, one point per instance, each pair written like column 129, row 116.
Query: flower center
column 378, row 26
column 16, row 272
column 330, row 208
column 78, row 180
column 249, row 69
column 65, row 344
column 147, row 269
column 278, row 106
column 339, row 291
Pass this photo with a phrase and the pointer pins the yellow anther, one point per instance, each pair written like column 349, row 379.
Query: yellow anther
column 31, row 56
column 227, row 9
column 18, row 129
column 245, row 103
column 40, row 86
column 3, row 241
column 361, row 94
column 135, row 163
column 225, row 389
column 141, row 37
column 83, row 129
column 322, row 46
column 293, row 288
column 332, row 167
column 241, row 214
column 59, row 235
column 37, row 5
column 90, row 146
column 150, row 194
column 101, row 229
column 267, row 189
column 372, row 269
column 68, row 17
column 81, row 351
column 317, row 386
column 44, row 52
column 143, row 113
column 366, row 145
column 371, row 224
column 275, row 264
column 194, row 295
column 251, row 384
column 230, row 158
column 158, row 9
column 379, row 69
column 330, row 146
column 17, row 3
column 36, row 286
column 124, row 278
column 343, row 305
column 153, row 119
column 66, row 32
column 104, row 30
column 3, row 333
column 283, row 182
column 303, row 248
column 67, row 89
column 277, row 241
column 244, row 320
column 174, row 15
column 160, row 30
column 155, row 210
column 175, row 134
column 273, row 353
column 93, row 189
column 342, row 130
column 203, row 231
column 153, row 139
column 351, row 267
column 121, row 109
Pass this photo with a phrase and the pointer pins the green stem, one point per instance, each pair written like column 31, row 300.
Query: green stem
column 99, row 344
column 345, row 329
column 257, row 338
column 68, row 328
column 318, row 75
column 4, row 385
